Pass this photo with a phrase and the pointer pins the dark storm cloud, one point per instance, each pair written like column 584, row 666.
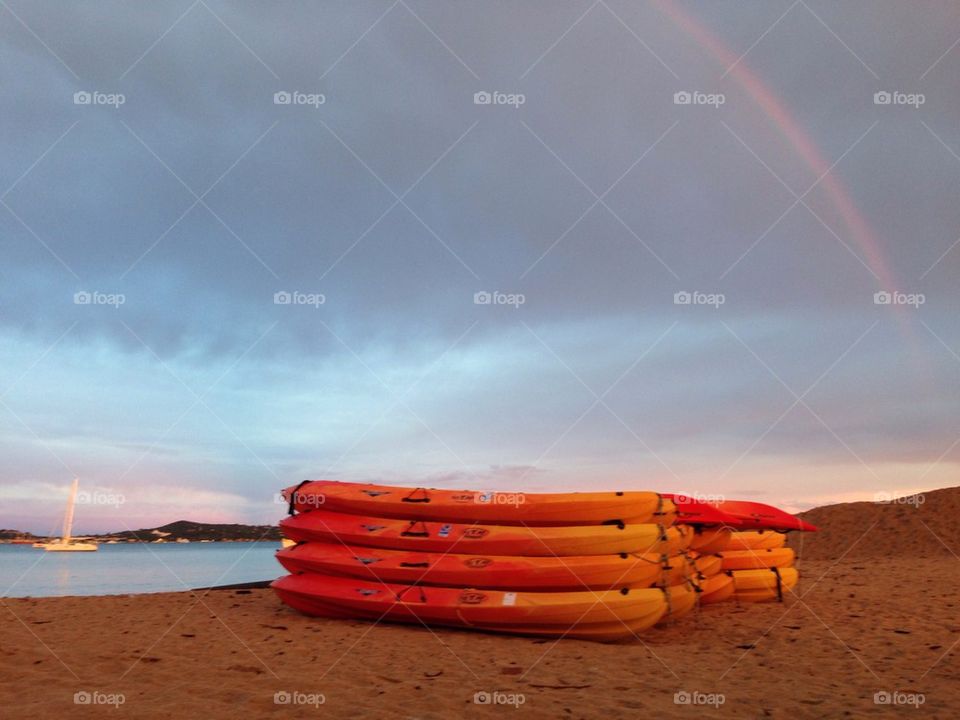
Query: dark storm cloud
column 398, row 198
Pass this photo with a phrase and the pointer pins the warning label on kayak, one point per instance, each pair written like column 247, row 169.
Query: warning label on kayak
column 510, row 598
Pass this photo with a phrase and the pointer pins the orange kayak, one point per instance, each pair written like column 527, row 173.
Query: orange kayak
column 716, row 589
column 757, row 559
column 710, row 540
column 754, row 540
column 574, row 573
column 491, row 508
column 680, row 599
column 515, row 612
column 690, row 566
column 392, row 534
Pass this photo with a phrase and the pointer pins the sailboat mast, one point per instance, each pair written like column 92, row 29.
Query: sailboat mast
column 68, row 519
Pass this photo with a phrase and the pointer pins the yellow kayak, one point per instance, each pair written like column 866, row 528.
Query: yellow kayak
column 716, row 589
column 706, row 541
column 763, row 585
column 757, row 559
column 681, row 599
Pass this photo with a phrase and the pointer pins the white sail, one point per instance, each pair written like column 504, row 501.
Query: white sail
column 68, row 518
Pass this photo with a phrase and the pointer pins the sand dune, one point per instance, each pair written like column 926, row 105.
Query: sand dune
column 924, row 525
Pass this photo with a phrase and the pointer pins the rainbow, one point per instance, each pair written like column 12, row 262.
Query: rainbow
column 795, row 135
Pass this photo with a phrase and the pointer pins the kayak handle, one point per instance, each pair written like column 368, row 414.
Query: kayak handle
column 411, row 499
column 414, row 564
column 410, row 532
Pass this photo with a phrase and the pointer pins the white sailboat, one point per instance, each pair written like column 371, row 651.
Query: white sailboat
column 66, row 543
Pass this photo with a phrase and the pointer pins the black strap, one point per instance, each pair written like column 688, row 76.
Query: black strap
column 423, row 595
column 293, row 497
column 410, row 499
column 415, row 564
column 410, row 532
column 776, row 571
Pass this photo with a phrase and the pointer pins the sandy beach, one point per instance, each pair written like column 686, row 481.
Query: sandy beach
column 854, row 629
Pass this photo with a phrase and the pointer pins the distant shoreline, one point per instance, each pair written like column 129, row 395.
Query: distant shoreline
column 179, row 532
column 111, row 541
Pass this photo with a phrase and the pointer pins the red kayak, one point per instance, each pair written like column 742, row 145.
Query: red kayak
column 542, row 574
column 737, row 514
column 695, row 512
column 392, row 534
column 329, row 596
column 756, row 516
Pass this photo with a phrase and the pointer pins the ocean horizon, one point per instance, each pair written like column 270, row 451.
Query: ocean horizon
column 134, row 568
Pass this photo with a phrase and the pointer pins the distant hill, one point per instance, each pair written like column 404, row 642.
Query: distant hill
column 922, row 525
column 193, row 531
column 16, row 535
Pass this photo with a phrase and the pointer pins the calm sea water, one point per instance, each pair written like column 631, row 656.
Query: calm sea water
column 134, row 568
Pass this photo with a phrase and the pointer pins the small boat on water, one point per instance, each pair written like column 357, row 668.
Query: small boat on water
column 67, row 543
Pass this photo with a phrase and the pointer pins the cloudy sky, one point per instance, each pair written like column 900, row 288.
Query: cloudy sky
column 535, row 245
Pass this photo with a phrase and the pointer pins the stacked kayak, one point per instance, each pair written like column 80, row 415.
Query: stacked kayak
column 598, row 565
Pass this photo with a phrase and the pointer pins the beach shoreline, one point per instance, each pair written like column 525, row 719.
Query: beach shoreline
column 853, row 630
